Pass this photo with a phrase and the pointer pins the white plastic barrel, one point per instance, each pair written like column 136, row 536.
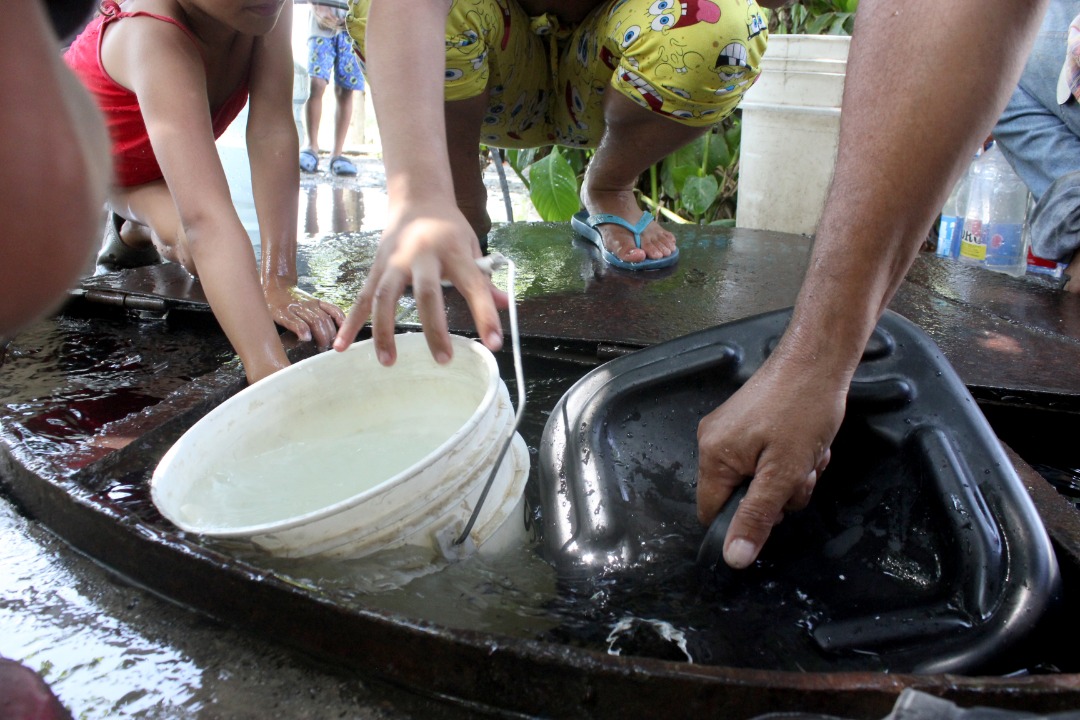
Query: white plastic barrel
column 338, row 456
column 790, row 128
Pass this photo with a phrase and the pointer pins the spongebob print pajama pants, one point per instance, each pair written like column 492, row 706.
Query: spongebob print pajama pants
column 690, row 61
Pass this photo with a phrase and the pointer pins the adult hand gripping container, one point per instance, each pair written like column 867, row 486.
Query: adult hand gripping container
column 920, row 550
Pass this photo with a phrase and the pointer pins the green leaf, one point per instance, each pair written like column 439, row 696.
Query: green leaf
column 699, row 193
column 553, row 188
column 733, row 137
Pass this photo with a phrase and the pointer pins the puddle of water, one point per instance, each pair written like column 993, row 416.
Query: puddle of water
column 63, row 381
column 43, row 606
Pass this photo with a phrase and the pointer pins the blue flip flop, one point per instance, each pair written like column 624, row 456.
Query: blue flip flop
column 342, row 165
column 309, row 161
column 586, row 225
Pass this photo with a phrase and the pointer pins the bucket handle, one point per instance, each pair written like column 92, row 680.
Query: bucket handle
column 489, row 264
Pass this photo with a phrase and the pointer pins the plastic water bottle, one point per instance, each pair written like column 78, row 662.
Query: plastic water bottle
column 994, row 233
column 952, row 214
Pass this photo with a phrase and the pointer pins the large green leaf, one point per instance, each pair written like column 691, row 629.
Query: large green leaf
column 553, row 187
column 699, row 193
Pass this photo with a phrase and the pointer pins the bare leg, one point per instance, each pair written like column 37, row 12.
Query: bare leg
column 313, row 113
column 151, row 206
column 342, row 117
column 463, row 120
column 634, row 139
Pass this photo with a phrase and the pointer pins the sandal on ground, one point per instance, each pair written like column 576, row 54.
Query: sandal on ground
column 116, row 255
column 587, row 226
column 341, row 165
column 309, row 161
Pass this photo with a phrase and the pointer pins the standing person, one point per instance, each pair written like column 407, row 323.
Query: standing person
column 1039, row 134
column 170, row 76
column 56, row 165
column 330, row 50
column 636, row 79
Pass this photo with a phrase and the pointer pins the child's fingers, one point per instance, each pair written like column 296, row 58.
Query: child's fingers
column 333, row 311
column 350, row 326
column 321, row 327
column 479, row 293
column 384, row 303
column 428, row 291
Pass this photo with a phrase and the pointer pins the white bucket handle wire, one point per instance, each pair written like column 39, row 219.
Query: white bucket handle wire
column 489, row 264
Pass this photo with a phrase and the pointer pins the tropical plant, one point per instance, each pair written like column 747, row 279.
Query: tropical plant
column 697, row 184
column 815, row 17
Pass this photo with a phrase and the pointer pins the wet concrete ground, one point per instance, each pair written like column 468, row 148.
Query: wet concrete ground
column 112, row 650
column 137, row 657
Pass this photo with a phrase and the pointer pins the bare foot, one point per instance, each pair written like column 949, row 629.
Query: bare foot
column 656, row 242
column 135, row 235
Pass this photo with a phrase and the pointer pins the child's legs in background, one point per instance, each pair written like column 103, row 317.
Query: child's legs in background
column 348, row 80
column 320, row 64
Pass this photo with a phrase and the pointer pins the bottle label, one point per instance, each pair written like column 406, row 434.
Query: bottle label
column 948, row 236
column 995, row 245
column 972, row 245
column 1005, row 245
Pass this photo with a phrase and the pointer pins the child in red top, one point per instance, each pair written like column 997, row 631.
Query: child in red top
column 170, row 75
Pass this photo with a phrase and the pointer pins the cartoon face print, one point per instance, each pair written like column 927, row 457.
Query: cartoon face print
column 755, row 21
column 463, row 40
column 669, row 14
column 677, row 59
column 583, row 49
column 732, row 67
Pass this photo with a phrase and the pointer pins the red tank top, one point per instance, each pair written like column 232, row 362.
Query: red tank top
column 133, row 158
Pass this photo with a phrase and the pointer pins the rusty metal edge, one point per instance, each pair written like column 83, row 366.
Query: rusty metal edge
column 503, row 674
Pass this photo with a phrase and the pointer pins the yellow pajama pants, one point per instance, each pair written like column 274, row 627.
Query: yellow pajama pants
column 690, row 61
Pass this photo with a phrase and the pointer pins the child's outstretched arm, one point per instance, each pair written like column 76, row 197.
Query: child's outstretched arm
column 273, row 146
column 426, row 238
column 165, row 69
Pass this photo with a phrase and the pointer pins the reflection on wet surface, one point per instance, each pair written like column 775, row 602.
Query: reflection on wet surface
column 72, row 385
column 64, row 381
column 42, row 605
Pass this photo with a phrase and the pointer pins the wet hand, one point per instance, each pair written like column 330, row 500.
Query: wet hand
column 422, row 245
column 776, row 430
column 302, row 313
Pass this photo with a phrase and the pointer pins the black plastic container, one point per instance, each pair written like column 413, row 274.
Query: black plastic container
column 920, row 550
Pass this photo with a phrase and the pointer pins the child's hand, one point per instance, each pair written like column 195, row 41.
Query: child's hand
column 422, row 245
column 303, row 314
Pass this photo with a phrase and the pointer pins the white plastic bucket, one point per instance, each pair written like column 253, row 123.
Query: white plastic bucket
column 338, row 456
column 790, row 129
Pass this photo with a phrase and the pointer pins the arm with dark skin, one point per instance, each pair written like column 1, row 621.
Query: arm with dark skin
column 925, row 83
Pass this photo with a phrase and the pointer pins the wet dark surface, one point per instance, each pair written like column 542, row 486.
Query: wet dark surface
column 920, row 550
column 1016, row 348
